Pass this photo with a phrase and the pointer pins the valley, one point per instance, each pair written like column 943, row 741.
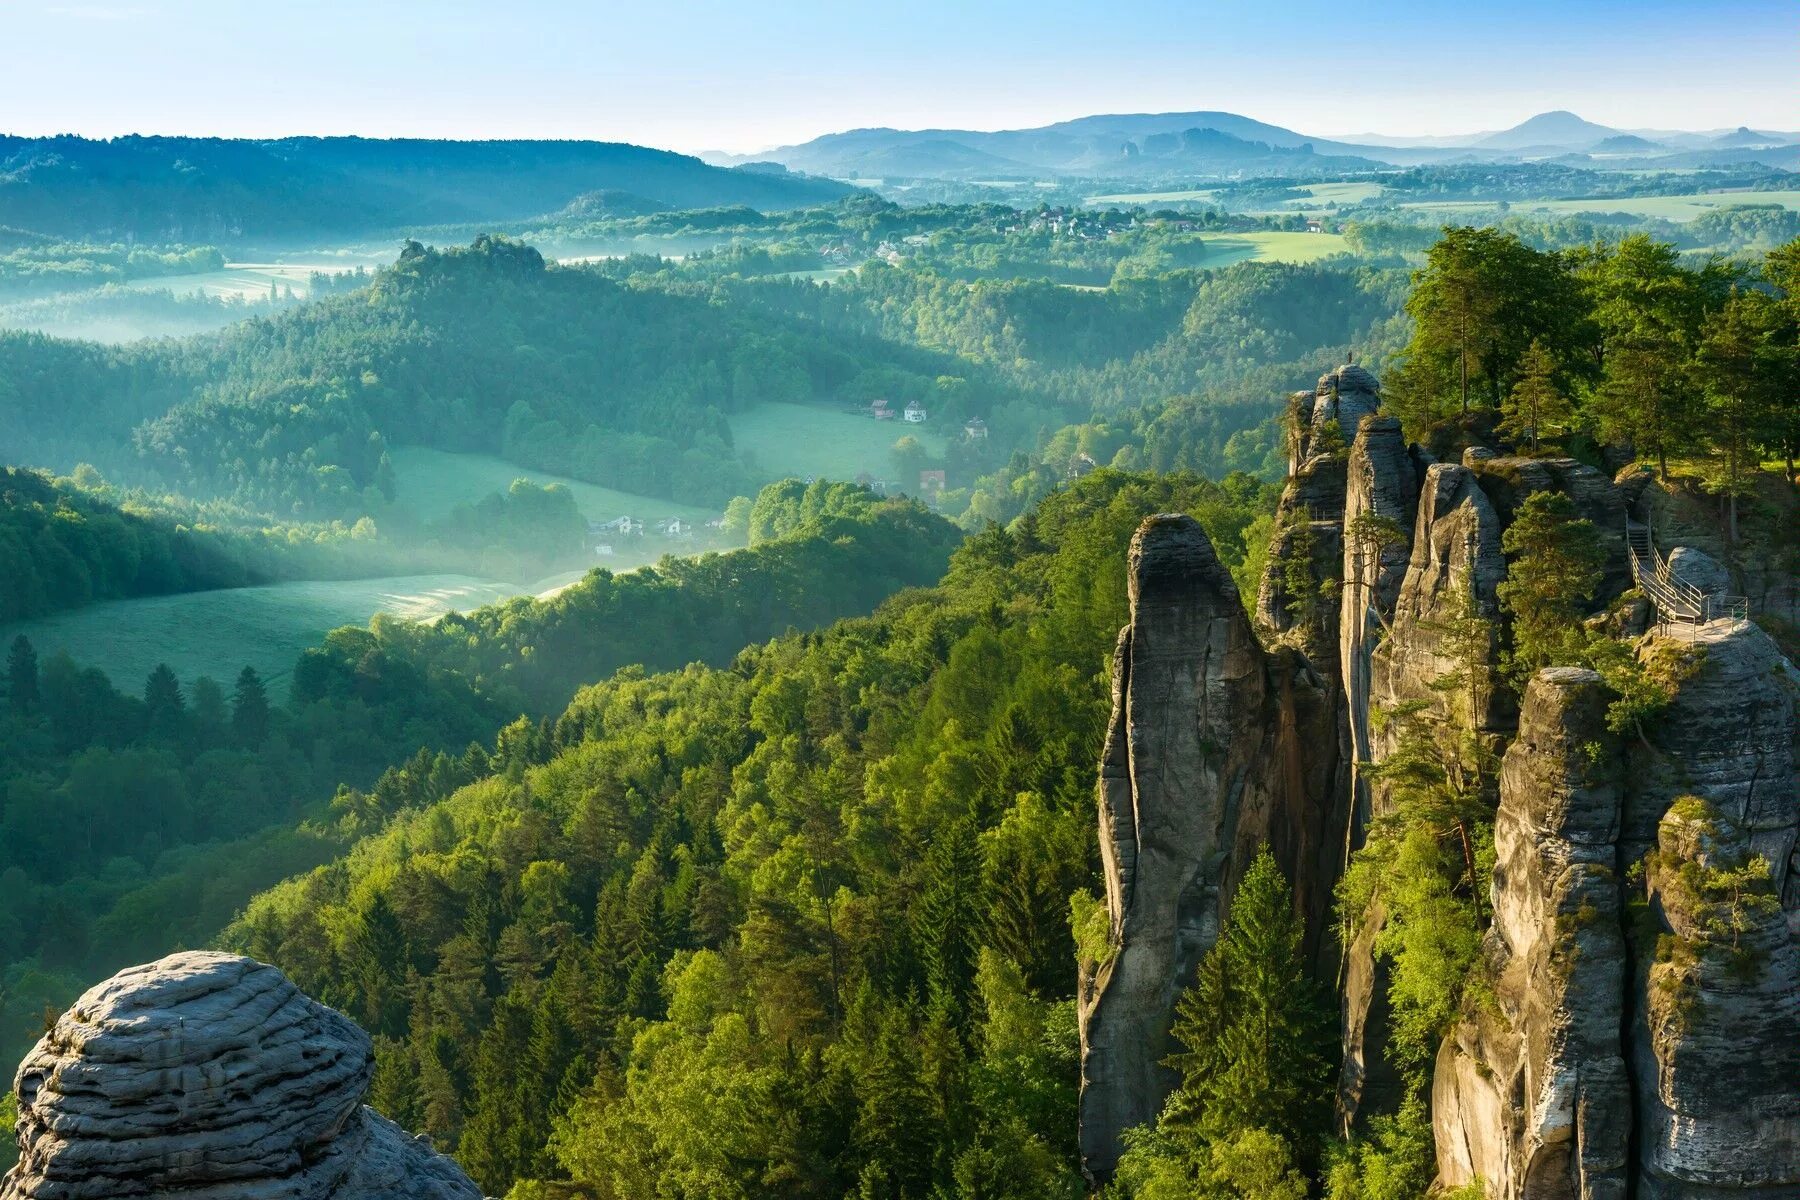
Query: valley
column 1152, row 655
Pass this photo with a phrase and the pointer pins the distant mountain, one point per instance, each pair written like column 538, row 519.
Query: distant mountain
column 1559, row 129
column 1119, row 144
column 1208, row 143
column 1626, row 143
column 1743, row 135
column 176, row 189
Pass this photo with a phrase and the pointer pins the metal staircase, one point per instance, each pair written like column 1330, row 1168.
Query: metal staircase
column 1677, row 601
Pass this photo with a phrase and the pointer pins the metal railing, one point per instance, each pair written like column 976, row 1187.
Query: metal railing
column 1676, row 600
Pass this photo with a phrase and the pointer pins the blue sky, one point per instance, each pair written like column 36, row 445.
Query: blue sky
column 700, row 74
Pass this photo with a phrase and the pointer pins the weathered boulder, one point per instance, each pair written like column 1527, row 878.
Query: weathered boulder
column 1716, row 1051
column 1531, row 1095
column 1699, row 570
column 210, row 1075
column 1454, row 569
column 1205, row 760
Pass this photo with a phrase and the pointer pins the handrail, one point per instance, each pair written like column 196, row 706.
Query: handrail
column 1675, row 599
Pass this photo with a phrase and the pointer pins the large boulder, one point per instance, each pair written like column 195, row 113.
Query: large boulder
column 211, row 1076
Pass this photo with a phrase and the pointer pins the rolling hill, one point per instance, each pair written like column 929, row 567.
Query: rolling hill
column 179, row 189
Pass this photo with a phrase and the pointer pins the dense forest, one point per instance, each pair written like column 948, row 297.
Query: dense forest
column 188, row 799
column 797, row 926
column 161, row 189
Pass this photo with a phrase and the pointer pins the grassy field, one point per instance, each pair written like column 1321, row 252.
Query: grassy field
column 1340, row 193
column 218, row 633
column 249, row 281
column 804, row 439
column 432, row 482
column 1128, row 199
column 1671, row 208
column 1224, row 249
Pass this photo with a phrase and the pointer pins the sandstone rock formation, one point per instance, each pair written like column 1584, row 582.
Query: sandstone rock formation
column 1532, row 1096
column 211, row 1076
column 1204, row 762
column 1716, row 1052
column 1636, row 1030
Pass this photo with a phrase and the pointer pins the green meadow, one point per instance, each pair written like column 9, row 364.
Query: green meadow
column 431, row 482
column 1670, row 208
column 804, row 439
column 1224, row 249
column 219, row 633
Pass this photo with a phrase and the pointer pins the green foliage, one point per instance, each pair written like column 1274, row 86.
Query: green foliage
column 793, row 931
column 1394, row 1161
column 1255, row 1066
column 1255, row 1030
column 1556, row 561
column 1537, row 403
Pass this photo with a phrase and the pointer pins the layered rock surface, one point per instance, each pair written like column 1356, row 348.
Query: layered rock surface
column 211, row 1076
column 1716, row 1051
column 1531, row 1095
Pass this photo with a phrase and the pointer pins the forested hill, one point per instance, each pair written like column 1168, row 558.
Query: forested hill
column 484, row 348
column 61, row 547
column 181, row 189
column 799, row 926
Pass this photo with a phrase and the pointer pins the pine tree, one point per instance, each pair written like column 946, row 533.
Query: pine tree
column 1737, row 369
column 1536, row 403
column 163, row 703
column 948, row 917
column 22, row 675
column 1556, row 562
column 1254, row 1027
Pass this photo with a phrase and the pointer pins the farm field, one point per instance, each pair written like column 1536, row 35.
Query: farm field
column 1131, row 198
column 217, row 633
column 1671, row 208
column 432, row 482
column 805, row 439
column 1222, row 250
column 1338, row 192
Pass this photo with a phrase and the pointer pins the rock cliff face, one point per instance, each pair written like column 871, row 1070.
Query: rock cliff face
column 1531, row 1095
column 1716, row 1051
column 1640, row 989
column 210, row 1075
column 1204, row 762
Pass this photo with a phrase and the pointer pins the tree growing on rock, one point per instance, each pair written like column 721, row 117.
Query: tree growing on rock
column 1255, row 1035
column 1556, row 562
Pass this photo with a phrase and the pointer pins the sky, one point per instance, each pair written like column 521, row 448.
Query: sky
column 697, row 75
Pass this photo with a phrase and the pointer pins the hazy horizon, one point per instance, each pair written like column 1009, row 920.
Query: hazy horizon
column 744, row 78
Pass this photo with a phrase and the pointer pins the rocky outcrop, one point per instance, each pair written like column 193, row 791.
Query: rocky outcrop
column 211, row 1076
column 1381, row 498
column 1204, row 762
column 1531, row 1094
column 1716, row 1051
column 1727, row 737
column 1639, row 992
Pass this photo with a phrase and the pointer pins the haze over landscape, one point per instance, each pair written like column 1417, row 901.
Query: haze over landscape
column 1033, row 600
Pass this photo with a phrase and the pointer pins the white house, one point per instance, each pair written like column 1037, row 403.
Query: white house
column 915, row 413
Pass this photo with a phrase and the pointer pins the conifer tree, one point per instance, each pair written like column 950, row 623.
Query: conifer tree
column 1556, row 562
column 163, row 703
column 249, row 709
column 22, row 675
column 1536, row 402
column 1254, row 1028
